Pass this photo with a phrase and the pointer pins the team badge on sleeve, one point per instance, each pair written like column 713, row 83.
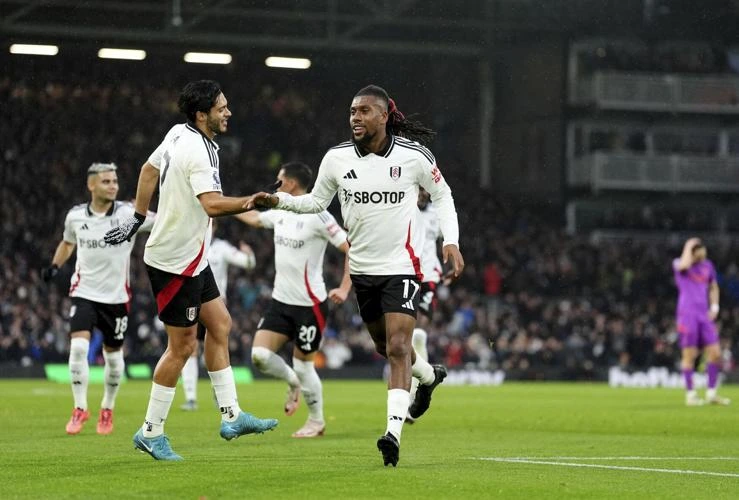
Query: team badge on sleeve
column 436, row 175
column 395, row 173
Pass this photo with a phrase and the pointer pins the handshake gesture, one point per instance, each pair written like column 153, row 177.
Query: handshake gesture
column 263, row 200
column 125, row 231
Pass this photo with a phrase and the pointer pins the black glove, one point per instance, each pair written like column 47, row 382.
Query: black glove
column 48, row 273
column 125, row 230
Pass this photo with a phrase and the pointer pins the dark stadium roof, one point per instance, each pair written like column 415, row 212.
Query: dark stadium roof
column 458, row 28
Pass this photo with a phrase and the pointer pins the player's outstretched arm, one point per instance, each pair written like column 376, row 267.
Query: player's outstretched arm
column 217, row 205
column 250, row 219
column 61, row 255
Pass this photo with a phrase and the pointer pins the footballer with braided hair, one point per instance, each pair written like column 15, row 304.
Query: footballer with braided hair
column 377, row 175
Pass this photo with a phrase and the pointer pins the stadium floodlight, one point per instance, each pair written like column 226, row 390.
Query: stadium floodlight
column 129, row 54
column 207, row 58
column 34, row 50
column 287, row 62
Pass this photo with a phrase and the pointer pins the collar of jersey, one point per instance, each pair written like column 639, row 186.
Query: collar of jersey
column 191, row 126
column 110, row 211
column 383, row 152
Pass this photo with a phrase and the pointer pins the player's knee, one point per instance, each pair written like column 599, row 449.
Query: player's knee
column 398, row 347
column 78, row 349
column 260, row 356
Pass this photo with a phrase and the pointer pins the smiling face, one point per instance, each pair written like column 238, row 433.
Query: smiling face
column 367, row 119
column 216, row 120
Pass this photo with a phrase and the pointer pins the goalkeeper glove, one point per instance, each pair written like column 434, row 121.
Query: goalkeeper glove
column 125, row 230
column 48, row 273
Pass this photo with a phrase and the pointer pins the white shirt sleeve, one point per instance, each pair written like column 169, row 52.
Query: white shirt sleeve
column 267, row 219
column 235, row 257
column 70, row 235
column 441, row 194
column 155, row 159
column 330, row 230
column 203, row 177
column 317, row 200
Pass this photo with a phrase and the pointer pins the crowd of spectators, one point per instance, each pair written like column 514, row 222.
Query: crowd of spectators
column 532, row 299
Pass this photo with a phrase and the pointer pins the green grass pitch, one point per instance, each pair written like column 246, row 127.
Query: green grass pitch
column 578, row 440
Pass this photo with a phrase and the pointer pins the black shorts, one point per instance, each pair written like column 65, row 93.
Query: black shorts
column 427, row 304
column 179, row 297
column 110, row 319
column 302, row 324
column 378, row 295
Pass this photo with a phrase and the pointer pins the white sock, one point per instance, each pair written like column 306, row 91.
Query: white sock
column 79, row 370
column 113, row 372
column 419, row 343
column 423, row 371
column 710, row 393
column 190, row 378
column 398, row 401
column 270, row 363
column 224, row 386
column 160, row 401
column 311, row 387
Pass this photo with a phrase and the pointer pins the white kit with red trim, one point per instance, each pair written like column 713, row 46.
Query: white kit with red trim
column 188, row 166
column 101, row 271
column 378, row 195
column 300, row 244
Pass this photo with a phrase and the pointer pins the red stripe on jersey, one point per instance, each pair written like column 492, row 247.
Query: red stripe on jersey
column 165, row 296
column 194, row 264
column 76, row 282
column 414, row 260
column 316, row 303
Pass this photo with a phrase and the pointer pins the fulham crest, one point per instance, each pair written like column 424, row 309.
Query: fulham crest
column 395, row 173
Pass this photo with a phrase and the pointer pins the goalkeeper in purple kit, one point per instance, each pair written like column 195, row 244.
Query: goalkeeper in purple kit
column 695, row 278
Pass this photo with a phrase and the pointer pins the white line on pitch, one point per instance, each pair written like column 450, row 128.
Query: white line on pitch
column 610, row 458
column 611, row 467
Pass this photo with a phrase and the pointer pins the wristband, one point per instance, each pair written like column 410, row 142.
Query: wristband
column 714, row 308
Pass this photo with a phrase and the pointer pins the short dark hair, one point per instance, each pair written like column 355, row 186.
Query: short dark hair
column 298, row 171
column 198, row 96
column 376, row 91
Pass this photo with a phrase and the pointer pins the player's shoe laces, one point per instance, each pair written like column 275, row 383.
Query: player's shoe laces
column 693, row 400
column 390, row 449
column 246, row 423
column 158, row 447
column 423, row 395
column 78, row 419
column 189, row 405
column 293, row 400
column 718, row 400
column 311, row 429
column 105, row 421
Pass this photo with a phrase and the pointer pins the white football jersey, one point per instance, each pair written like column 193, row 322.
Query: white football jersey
column 378, row 195
column 300, row 244
column 223, row 254
column 430, row 263
column 101, row 272
column 188, row 166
